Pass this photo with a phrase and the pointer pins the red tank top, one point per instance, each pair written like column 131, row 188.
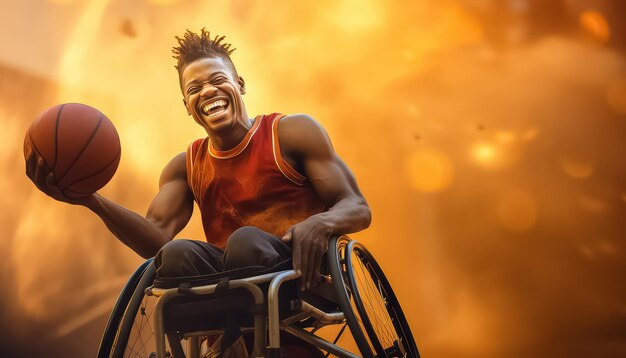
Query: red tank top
column 249, row 185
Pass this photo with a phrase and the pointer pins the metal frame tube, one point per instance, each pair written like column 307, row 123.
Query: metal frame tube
column 259, row 318
column 272, row 303
column 336, row 317
column 153, row 291
column 321, row 343
column 159, row 326
column 193, row 347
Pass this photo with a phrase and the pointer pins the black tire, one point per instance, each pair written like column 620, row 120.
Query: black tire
column 111, row 329
column 337, row 269
column 378, row 311
column 136, row 305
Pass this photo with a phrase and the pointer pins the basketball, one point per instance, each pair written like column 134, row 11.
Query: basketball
column 79, row 144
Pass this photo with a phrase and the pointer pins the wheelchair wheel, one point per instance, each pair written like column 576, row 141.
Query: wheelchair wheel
column 112, row 328
column 368, row 302
column 135, row 336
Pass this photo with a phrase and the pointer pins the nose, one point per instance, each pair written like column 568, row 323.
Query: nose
column 207, row 89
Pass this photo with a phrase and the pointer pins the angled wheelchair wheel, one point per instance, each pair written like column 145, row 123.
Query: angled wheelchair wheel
column 372, row 310
column 112, row 328
column 135, row 337
column 129, row 331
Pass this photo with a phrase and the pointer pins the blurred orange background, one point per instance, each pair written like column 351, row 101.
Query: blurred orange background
column 488, row 137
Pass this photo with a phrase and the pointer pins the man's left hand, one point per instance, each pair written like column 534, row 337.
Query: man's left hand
column 309, row 242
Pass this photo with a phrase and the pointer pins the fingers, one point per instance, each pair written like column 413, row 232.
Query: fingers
column 299, row 256
column 307, row 252
column 288, row 236
column 31, row 164
column 28, row 149
column 313, row 269
column 50, row 182
column 41, row 173
column 296, row 256
column 304, row 279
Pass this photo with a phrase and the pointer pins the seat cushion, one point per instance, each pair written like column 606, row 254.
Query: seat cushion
column 210, row 279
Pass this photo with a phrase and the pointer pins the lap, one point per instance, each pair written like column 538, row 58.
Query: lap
column 183, row 257
column 247, row 246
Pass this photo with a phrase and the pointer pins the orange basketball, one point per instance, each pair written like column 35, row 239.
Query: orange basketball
column 79, row 145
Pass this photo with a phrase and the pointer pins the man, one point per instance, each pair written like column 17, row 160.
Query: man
column 268, row 188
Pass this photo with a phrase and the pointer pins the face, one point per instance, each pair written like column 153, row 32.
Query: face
column 212, row 94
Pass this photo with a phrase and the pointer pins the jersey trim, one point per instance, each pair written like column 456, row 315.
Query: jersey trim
column 189, row 165
column 288, row 171
column 226, row 154
column 189, row 162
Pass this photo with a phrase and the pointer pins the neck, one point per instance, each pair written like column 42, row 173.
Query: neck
column 230, row 138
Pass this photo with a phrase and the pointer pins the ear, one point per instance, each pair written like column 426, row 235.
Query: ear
column 242, row 85
column 187, row 107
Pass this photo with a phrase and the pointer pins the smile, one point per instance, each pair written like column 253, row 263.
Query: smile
column 215, row 108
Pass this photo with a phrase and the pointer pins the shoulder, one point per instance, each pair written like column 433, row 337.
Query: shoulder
column 174, row 170
column 195, row 146
column 301, row 134
column 300, row 122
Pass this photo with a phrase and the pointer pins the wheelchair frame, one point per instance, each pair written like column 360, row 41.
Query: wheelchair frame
column 339, row 262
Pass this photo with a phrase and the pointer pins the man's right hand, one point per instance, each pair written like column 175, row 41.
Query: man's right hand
column 43, row 178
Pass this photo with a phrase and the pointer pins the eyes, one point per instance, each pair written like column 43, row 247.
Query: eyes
column 216, row 81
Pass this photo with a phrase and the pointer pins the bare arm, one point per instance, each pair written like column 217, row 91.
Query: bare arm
column 304, row 140
column 168, row 213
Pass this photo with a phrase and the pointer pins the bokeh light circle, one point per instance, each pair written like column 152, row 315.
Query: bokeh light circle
column 429, row 170
column 596, row 24
column 576, row 168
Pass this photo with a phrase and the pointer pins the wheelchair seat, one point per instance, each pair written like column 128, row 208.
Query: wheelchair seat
column 191, row 311
column 213, row 278
column 323, row 297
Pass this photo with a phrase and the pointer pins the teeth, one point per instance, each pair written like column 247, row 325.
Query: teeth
column 216, row 113
column 208, row 107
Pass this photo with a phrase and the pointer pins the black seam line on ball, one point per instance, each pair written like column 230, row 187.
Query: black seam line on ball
column 93, row 174
column 56, row 137
column 32, row 141
column 93, row 134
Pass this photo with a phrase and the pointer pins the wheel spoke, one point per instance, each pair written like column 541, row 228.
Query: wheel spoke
column 142, row 333
column 375, row 304
column 377, row 309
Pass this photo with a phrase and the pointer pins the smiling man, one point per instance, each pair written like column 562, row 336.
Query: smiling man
column 269, row 187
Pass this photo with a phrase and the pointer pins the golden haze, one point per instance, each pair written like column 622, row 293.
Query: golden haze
column 493, row 164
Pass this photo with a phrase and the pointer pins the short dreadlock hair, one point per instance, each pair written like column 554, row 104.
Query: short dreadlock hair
column 195, row 46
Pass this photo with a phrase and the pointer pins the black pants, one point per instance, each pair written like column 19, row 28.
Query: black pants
column 247, row 246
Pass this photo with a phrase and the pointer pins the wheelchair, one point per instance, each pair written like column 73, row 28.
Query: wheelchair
column 175, row 317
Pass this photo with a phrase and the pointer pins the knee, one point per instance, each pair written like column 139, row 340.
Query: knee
column 243, row 237
column 174, row 250
column 171, row 256
column 242, row 248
